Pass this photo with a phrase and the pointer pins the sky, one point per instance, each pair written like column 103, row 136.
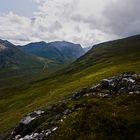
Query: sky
column 86, row 22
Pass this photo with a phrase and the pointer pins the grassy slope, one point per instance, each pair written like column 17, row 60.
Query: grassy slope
column 102, row 61
column 116, row 118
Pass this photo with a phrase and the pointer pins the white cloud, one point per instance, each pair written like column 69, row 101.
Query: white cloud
column 80, row 21
column 123, row 18
column 14, row 27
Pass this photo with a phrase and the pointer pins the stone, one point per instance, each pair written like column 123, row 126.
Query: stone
column 95, row 88
column 78, row 106
column 27, row 120
column 131, row 93
column 137, row 92
column 31, row 116
column 106, row 82
column 49, row 132
column 77, row 95
column 67, row 111
column 54, row 129
column 17, row 137
column 103, row 95
column 39, row 112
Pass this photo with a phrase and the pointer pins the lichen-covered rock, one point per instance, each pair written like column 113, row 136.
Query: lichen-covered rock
column 123, row 83
column 25, row 122
column 31, row 116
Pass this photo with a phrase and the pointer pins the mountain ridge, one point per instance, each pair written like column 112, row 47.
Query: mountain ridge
column 35, row 57
column 13, row 57
column 60, row 51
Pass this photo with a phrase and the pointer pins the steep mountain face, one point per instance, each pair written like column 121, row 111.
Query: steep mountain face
column 42, row 49
column 61, row 52
column 12, row 58
column 113, row 53
column 69, row 50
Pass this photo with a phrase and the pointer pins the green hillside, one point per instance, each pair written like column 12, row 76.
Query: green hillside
column 107, row 111
column 103, row 60
column 16, row 63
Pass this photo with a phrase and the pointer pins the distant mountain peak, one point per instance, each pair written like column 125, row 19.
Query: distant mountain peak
column 11, row 58
column 40, row 42
column 6, row 43
column 60, row 51
column 2, row 47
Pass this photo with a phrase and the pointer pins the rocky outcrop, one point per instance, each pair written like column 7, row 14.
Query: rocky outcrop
column 124, row 83
column 41, row 124
column 31, row 116
column 37, row 136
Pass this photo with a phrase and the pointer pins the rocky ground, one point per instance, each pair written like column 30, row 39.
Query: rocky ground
column 42, row 124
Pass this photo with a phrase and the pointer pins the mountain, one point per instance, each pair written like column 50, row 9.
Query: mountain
column 69, row 50
column 14, row 60
column 43, row 50
column 100, row 116
column 61, row 52
column 112, row 54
